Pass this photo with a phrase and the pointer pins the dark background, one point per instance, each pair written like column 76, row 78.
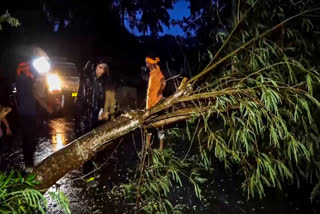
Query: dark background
column 94, row 28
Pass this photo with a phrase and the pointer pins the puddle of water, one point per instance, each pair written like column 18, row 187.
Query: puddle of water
column 61, row 132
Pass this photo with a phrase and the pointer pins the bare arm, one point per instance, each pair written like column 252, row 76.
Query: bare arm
column 8, row 130
column 4, row 120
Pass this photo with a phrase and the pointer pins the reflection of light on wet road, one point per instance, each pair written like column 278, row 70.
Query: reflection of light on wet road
column 58, row 141
column 61, row 133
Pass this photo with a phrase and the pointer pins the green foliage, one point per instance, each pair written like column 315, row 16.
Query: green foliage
column 162, row 172
column 7, row 18
column 261, row 107
column 17, row 195
column 267, row 105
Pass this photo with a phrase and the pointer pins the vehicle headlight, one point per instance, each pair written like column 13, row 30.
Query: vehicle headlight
column 54, row 82
column 41, row 64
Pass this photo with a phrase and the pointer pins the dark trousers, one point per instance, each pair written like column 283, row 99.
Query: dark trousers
column 5, row 146
column 84, row 123
column 28, row 127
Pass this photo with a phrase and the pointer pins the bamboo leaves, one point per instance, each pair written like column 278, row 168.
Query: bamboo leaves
column 255, row 114
column 7, row 18
column 163, row 171
column 268, row 135
column 17, row 195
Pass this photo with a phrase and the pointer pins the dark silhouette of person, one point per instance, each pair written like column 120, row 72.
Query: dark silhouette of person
column 27, row 105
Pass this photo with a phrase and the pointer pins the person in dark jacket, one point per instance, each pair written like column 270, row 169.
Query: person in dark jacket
column 28, row 102
column 91, row 96
column 90, row 100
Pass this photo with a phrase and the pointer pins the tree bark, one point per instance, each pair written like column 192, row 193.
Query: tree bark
column 75, row 154
column 168, row 111
column 54, row 167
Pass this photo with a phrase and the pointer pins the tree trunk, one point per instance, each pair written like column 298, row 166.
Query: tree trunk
column 168, row 111
column 75, row 154
column 81, row 150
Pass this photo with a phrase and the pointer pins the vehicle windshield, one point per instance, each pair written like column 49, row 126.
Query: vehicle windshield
column 65, row 69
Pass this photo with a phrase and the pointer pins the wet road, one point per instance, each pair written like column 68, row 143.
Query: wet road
column 84, row 198
column 223, row 193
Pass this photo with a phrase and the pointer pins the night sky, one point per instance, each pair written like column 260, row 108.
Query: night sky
column 180, row 10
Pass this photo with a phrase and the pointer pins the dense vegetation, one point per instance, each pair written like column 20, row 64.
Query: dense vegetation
column 260, row 88
column 257, row 92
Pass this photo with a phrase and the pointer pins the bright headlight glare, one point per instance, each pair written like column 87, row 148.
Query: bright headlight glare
column 54, row 82
column 41, row 64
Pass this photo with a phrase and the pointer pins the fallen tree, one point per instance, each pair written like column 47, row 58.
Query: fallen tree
column 180, row 106
column 83, row 149
column 263, row 96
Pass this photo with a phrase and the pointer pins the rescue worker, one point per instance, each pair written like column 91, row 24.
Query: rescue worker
column 90, row 100
column 27, row 101
column 156, row 86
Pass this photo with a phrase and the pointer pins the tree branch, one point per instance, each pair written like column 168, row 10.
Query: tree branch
column 208, row 69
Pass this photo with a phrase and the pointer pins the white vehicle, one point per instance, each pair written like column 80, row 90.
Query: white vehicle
column 63, row 79
column 57, row 82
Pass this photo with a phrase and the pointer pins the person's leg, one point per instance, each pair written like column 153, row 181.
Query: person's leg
column 28, row 125
column 6, row 143
column 107, row 103
column 88, row 167
column 112, row 100
column 161, row 138
column 148, row 140
column 92, row 123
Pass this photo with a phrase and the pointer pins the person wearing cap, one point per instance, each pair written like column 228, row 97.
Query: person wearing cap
column 90, row 100
column 156, row 86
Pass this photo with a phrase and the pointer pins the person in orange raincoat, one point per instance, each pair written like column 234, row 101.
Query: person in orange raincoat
column 156, row 86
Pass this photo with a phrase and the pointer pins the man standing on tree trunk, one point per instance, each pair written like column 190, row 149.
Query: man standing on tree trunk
column 156, row 86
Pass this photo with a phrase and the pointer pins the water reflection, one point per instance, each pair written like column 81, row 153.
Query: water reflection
column 58, row 141
column 61, row 133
